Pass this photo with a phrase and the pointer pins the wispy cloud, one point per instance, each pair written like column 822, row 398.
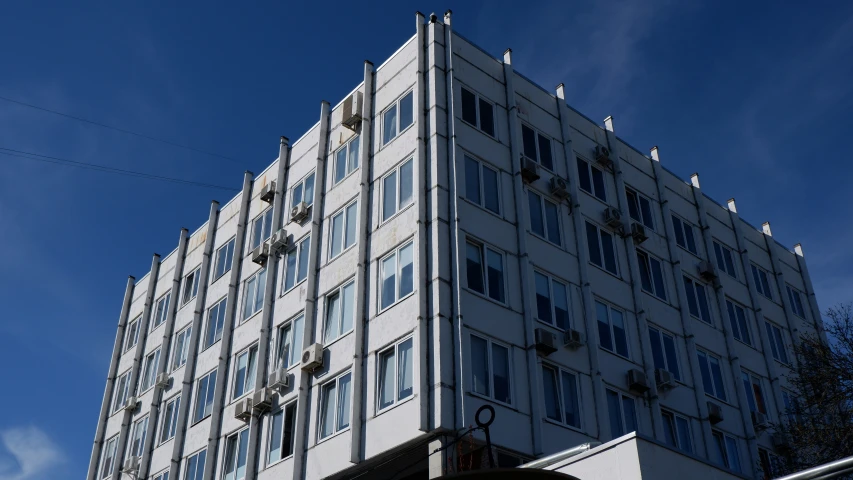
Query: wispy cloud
column 28, row 453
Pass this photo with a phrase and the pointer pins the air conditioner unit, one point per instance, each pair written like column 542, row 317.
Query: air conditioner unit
column 268, row 192
column 261, row 254
column 299, row 212
column 529, row 170
column 760, row 420
column 261, row 400
column 602, row 156
column 780, row 442
column 546, row 341
column 573, row 339
column 638, row 232
column 131, row 465
column 131, row 403
column 637, row 381
column 351, row 111
column 243, row 409
column 715, row 413
column 664, row 379
column 559, row 188
column 279, row 379
column 707, row 271
column 278, row 241
column 613, row 217
column 312, row 357
column 162, row 380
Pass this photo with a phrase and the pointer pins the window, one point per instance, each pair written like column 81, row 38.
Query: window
column 602, row 250
column 296, row 264
column 120, row 390
column 482, row 185
column 552, row 301
column 478, row 112
column 712, row 375
column 562, row 397
column 777, row 345
column 397, row 117
column 132, row 335
column 204, row 396
column 335, row 405
column 622, row 412
column 684, row 235
column 544, row 218
column 591, row 180
column 796, row 301
column 346, row 159
column 195, row 466
column 726, row 450
column 190, row 290
column 396, row 374
column 149, row 370
column 737, row 319
column 537, row 147
column 397, row 274
column 697, row 300
column 771, row 465
column 651, row 274
column 290, row 343
column 108, row 457
column 340, row 311
column 245, row 368
column 170, row 419
column 762, row 284
column 485, row 270
column 164, row 475
column 182, row 348
column 261, row 228
column 224, row 258
column 490, row 367
column 162, row 310
column 791, row 405
column 640, row 208
column 282, row 428
column 215, row 323
column 754, row 392
column 663, row 352
column 254, row 298
column 303, row 192
column 397, row 189
column 611, row 329
column 342, row 230
column 137, row 437
column 725, row 259
column 236, row 453
column 676, row 431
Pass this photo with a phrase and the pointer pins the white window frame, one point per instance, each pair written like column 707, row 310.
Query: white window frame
column 481, row 184
column 283, row 411
column 490, row 370
column 226, row 253
column 753, row 379
column 542, row 204
column 164, row 475
column 610, row 308
column 169, row 424
column 259, row 279
column 722, row 261
column 265, row 232
column 761, row 277
column 123, row 379
column 484, row 250
column 398, row 275
column 231, row 454
column 398, row 128
column 399, row 396
column 108, row 452
column 727, row 441
column 667, row 361
column 778, row 347
column 343, row 213
column 684, row 226
column 300, row 187
column 163, row 304
column 691, row 291
column 133, row 327
column 588, row 168
column 190, row 287
column 551, row 300
column 538, row 136
column 399, row 203
column 200, row 459
column 676, row 433
column 292, row 329
column 322, row 414
column 301, row 252
column 641, row 214
column 137, row 435
column 351, row 163
column 796, row 298
column 740, row 330
column 149, row 370
column 220, row 308
column 600, row 239
column 338, row 293
column 248, row 386
column 719, row 389
column 561, row 400
column 790, row 407
column 180, row 355
column 622, row 414
column 479, row 125
column 646, row 259
column 202, row 402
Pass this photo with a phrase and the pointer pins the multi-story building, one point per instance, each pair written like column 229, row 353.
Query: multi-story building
column 452, row 235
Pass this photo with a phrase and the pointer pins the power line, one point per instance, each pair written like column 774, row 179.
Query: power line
column 103, row 168
column 122, row 130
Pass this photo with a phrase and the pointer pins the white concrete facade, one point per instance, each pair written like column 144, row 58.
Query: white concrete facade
column 440, row 305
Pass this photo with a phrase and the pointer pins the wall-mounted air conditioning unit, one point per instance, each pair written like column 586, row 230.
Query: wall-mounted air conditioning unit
column 637, row 381
column 602, row 157
column 351, row 111
column 760, row 420
column 278, row 241
column 261, row 254
column 268, row 192
column 243, row 409
column 529, row 170
column 613, row 218
column 559, row 188
column 262, row 400
column 131, row 403
column 162, row 380
column 546, row 341
column 279, row 379
column 780, row 442
column 131, row 465
column 312, row 357
column 715, row 413
column 664, row 379
column 573, row 339
column 638, row 233
column 299, row 212
column 707, row 270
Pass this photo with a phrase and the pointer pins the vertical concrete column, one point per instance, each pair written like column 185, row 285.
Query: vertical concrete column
column 681, row 293
column 636, row 292
column 127, row 415
column 810, row 294
column 154, row 412
column 363, row 263
column 770, row 363
column 527, row 295
column 308, row 334
column 438, row 461
column 734, row 358
column 189, row 368
column 590, row 325
column 267, row 313
column 791, row 320
column 227, row 329
column 111, row 378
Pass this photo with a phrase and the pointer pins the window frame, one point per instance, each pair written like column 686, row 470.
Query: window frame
column 664, row 354
column 720, row 260
column 685, row 227
column 123, row 379
column 644, row 259
column 108, row 452
column 161, row 314
column 181, row 355
column 399, row 206
column 234, row 440
column 542, row 206
column 380, row 378
column 639, row 197
column 265, row 217
column 199, row 464
column 778, row 347
column 538, row 137
column 196, row 275
column 256, row 277
column 676, row 431
column 300, row 186
column 162, row 475
column 477, row 103
column 622, row 414
column 726, row 441
column 338, row 292
column 795, row 297
column 248, row 387
column 148, row 377
column 481, row 184
column 169, row 424
column 133, row 326
column 221, row 310
column 552, row 301
column 283, row 411
column 350, row 166
column 295, row 350
column 739, row 329
column 138, row 449
column 395, row 104
column 761, row 278
column 585, row 170
column 719, row 392
column 226, row 249
column 321, row 414
column 209, row 389
column 298, row 250
column 560, row 393
column 343, row 213
column 601, row 251
column 398, row 274
column 692, row 292
column 490, row 371
column 610, row 307
column 754, row 381
column 484, row 249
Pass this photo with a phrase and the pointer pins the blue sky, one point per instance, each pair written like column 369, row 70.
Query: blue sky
column 721, row 87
